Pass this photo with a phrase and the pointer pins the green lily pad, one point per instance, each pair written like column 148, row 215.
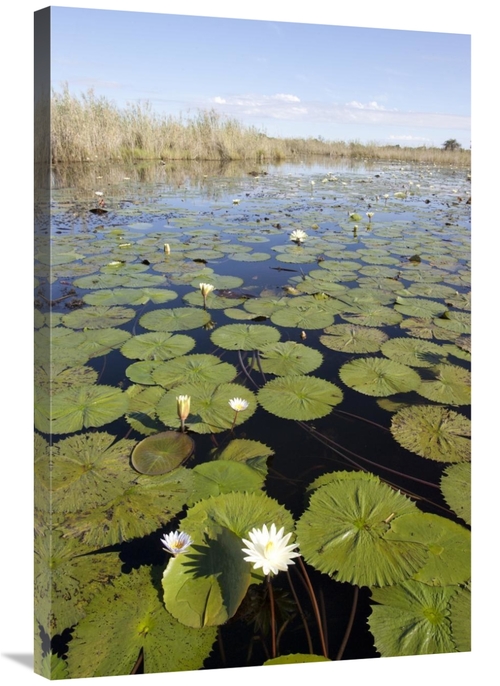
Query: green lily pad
column 295, row 658
column 373, row 315
column 86, row 406
column 349, row 338
column 419, row 307
column 162, row 453
column 140, row 372
column 98, row 317
column 451, row 385
column 245, row 336
column 412, row 619
column 226, row 476
column 157, row 345
column 111, row 646
column 303, row 317
column 129, row 296
column 379, row 377
column 456, row 489
column 252, row 453
column 191, row 368
column 88, row 470
column 414, row 352
column 344, row 531
column 433, row 432
column 448, row 543
column 424, row 327
column 250, row 256
column 460, row 617
column 288, row 358
column 456, row 322
column 176, row 319
column 299, row 397
column 205, row 585
column 210, row 409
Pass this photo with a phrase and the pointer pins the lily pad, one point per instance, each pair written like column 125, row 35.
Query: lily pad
column 111, row 646
column 129, row 296
column 157, row 345
column 86, row 406
column 299, row 397
column 460, row 617
column 373, row 315
column 245, row 336
column 205, row 586
column 379, row 377
column 456, row 489
column 344, row 531
column 349, row 338
column 412, row 619
column 161, row 453
column 433, row 432
column 141, row 413
column 191, row 368
column 252, row 453
column 210, row 409
column 451, row 385
column 419, row 307
column 288, row 358
column 303, row 317
column 176, row 319
column 448, row 543
column 98, row 317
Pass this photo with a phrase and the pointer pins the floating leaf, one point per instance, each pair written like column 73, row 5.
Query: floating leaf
column 112, row 645
column 295, row 658
column 226, row 476
column 141, row 414
column 86, row 406
column 210, row 409
column 129, row 296
column 299, row 397
column 413, row 352
column 98, row 317
column 375, row 315
column 140, row 372
column 284, row 359
column 460, row 617
column 451, row 385
column 379, row 377
column 245, row 336
column 412, row 619
column 162, row 452
column 176, row 319
column 304, row 317
column 88, row 470
column 424, row 327
column 456, row 489
column 433, row 432
column 448, row 543
column 205, row 586
column 457, row 322
column 349, row 338
column 157, row 345
column 419, row 307
column 190, row 368
column 344, row 530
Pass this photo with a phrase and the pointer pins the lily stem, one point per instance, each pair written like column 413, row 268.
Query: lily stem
column 273, row 617
column 349, row 624
column 315, row 607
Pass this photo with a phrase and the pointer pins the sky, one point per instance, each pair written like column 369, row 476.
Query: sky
column 286, row 79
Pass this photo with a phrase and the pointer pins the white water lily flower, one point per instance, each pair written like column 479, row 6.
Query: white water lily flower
column 183, row 406
column 236, row 201
column 238, row 404
column 99, row 193
column 268, row 549
column 298, row 236
column 176, row 542
column 206, row 288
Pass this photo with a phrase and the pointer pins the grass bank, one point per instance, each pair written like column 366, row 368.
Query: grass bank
column 89, row 128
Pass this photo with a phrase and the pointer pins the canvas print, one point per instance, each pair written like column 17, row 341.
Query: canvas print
column 252, row 343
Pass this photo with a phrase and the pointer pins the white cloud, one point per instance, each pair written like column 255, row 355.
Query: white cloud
column 285, row 97
column 219, row 101
column 417, row 139
column 368, row 106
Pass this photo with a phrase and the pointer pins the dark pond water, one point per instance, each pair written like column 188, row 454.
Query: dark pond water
column 387, row 248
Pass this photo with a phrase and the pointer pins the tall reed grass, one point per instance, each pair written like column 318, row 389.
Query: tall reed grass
column 89, row 128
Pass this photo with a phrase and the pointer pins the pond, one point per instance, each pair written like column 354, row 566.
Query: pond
column 316, row 317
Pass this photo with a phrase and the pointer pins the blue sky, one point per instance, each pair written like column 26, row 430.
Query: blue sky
column 287, row 79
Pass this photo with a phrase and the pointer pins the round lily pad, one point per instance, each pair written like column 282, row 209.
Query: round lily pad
column 456, row 489
column 433, row 432
column 349, row 338
column 285, row 359
column 299, row 397
column 451, row 385
column 205, row 368
column 176, row 319
column 162, row 452
column 344, row 530
column 98, row 317
column 308, row 316
column 245, row 336
column 413, row 352
column 86, row 406
column 373, row 315
column 157, row 345
column 379, row 377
